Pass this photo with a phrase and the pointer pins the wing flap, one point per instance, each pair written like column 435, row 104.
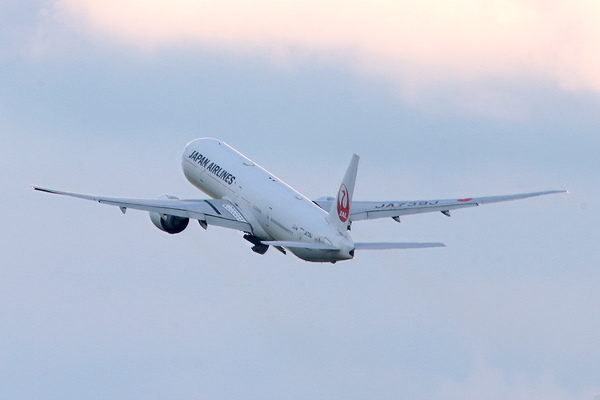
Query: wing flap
column 219, row 212
column 409, row 210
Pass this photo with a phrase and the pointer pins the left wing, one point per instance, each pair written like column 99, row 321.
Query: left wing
column 361, row 210
column 220, row 212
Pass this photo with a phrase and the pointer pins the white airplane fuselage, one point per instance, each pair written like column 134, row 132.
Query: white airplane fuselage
column 274, row 209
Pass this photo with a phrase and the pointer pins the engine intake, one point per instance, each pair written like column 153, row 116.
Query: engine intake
column 169, row 223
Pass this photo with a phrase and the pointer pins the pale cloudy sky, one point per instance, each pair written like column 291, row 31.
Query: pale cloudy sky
column 440, row 99
column 468, row 40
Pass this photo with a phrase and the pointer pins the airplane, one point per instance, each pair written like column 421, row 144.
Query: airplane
column 248, row 198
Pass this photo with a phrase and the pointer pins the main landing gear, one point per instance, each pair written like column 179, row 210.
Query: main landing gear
column 258, row 247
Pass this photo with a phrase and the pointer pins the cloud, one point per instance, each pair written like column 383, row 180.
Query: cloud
column 486, row 382
column 416, row 44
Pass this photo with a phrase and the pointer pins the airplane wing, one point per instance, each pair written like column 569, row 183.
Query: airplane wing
column 219, row 212
column 361, row 210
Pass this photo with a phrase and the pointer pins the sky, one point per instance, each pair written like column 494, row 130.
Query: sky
column 441, row 99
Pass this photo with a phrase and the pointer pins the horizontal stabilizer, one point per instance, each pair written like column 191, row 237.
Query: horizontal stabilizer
column 302, row 245
column 387, row 246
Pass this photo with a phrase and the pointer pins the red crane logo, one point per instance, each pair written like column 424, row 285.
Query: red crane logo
column 343, row 203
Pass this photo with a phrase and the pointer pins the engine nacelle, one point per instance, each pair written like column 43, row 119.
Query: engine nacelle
column 169, row 223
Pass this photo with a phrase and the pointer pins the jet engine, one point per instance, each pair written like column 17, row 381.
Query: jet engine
column 169, row 223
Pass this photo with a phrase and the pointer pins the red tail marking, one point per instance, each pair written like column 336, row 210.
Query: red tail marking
column 343, row 205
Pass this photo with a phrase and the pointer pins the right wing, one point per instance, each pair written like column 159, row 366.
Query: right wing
column 219, row 212
column 361, row 210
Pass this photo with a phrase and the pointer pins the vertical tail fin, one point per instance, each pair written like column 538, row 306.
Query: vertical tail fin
column 339, row 215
